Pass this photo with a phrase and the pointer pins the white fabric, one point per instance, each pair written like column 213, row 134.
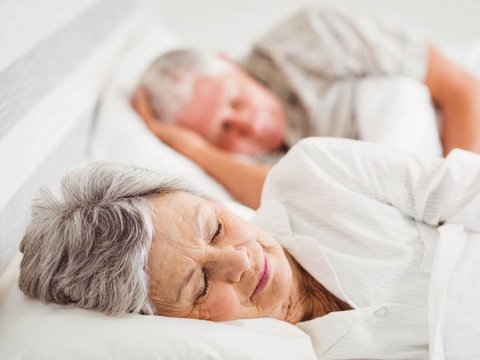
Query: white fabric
column 393, row 235
column 398, row 111
column 30, row 330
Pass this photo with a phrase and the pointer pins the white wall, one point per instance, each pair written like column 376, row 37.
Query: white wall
column 231, row 25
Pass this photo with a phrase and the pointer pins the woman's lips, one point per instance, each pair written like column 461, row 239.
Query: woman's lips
column 263, row 278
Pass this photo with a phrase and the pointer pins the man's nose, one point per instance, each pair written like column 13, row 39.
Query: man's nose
column 228, row 264
column 242, row 123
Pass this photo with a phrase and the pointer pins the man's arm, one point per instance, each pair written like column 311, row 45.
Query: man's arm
column 243, row 180
column 457, row 94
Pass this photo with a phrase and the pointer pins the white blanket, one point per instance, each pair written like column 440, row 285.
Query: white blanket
column 455, row 295
column 395, row 236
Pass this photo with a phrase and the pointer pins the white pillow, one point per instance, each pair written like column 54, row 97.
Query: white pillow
column 32, row 330
column 398, row 112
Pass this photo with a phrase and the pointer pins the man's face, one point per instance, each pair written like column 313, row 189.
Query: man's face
column 206, row 263
column 235, row 113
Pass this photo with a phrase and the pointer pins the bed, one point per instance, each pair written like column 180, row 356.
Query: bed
column 62, row 58
column 57, row 67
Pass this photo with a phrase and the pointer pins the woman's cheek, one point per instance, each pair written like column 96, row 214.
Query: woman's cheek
column 223, row 304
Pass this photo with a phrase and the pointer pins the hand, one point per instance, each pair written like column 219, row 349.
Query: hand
column 183, row 140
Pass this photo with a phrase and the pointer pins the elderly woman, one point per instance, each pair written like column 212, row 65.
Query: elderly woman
column 352, row 237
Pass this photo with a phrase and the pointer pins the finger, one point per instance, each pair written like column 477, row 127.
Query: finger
column 136, row 102
column 140, row 96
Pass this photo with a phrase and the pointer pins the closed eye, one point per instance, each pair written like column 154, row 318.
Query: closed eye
column 218, row 230
column 206, row 286
column 206, row 283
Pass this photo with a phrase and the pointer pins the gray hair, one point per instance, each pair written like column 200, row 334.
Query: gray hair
column 169, row 79
column 90, row 247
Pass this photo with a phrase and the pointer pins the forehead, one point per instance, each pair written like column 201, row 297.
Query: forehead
column 209, row 95
column 175, row 216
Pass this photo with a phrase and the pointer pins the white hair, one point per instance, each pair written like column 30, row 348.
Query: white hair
column 90, row 247
column 169, row 79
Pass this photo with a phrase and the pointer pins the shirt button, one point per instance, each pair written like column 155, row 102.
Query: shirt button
column 381, row 313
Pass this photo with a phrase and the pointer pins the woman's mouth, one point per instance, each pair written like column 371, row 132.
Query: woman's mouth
column 263, row 277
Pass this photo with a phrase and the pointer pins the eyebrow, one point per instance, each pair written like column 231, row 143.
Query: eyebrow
column 198, row 227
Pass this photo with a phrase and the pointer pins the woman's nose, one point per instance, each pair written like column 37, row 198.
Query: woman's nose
column 229, row 264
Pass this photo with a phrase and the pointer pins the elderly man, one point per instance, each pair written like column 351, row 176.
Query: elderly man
column 300, row 80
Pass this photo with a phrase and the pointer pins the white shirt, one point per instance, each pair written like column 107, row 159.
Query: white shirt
column 383, row 231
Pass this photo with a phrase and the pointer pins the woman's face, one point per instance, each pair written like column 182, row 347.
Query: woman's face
column 207, row 263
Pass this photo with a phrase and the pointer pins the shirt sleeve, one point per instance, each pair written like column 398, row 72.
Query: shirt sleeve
column 428, row 189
